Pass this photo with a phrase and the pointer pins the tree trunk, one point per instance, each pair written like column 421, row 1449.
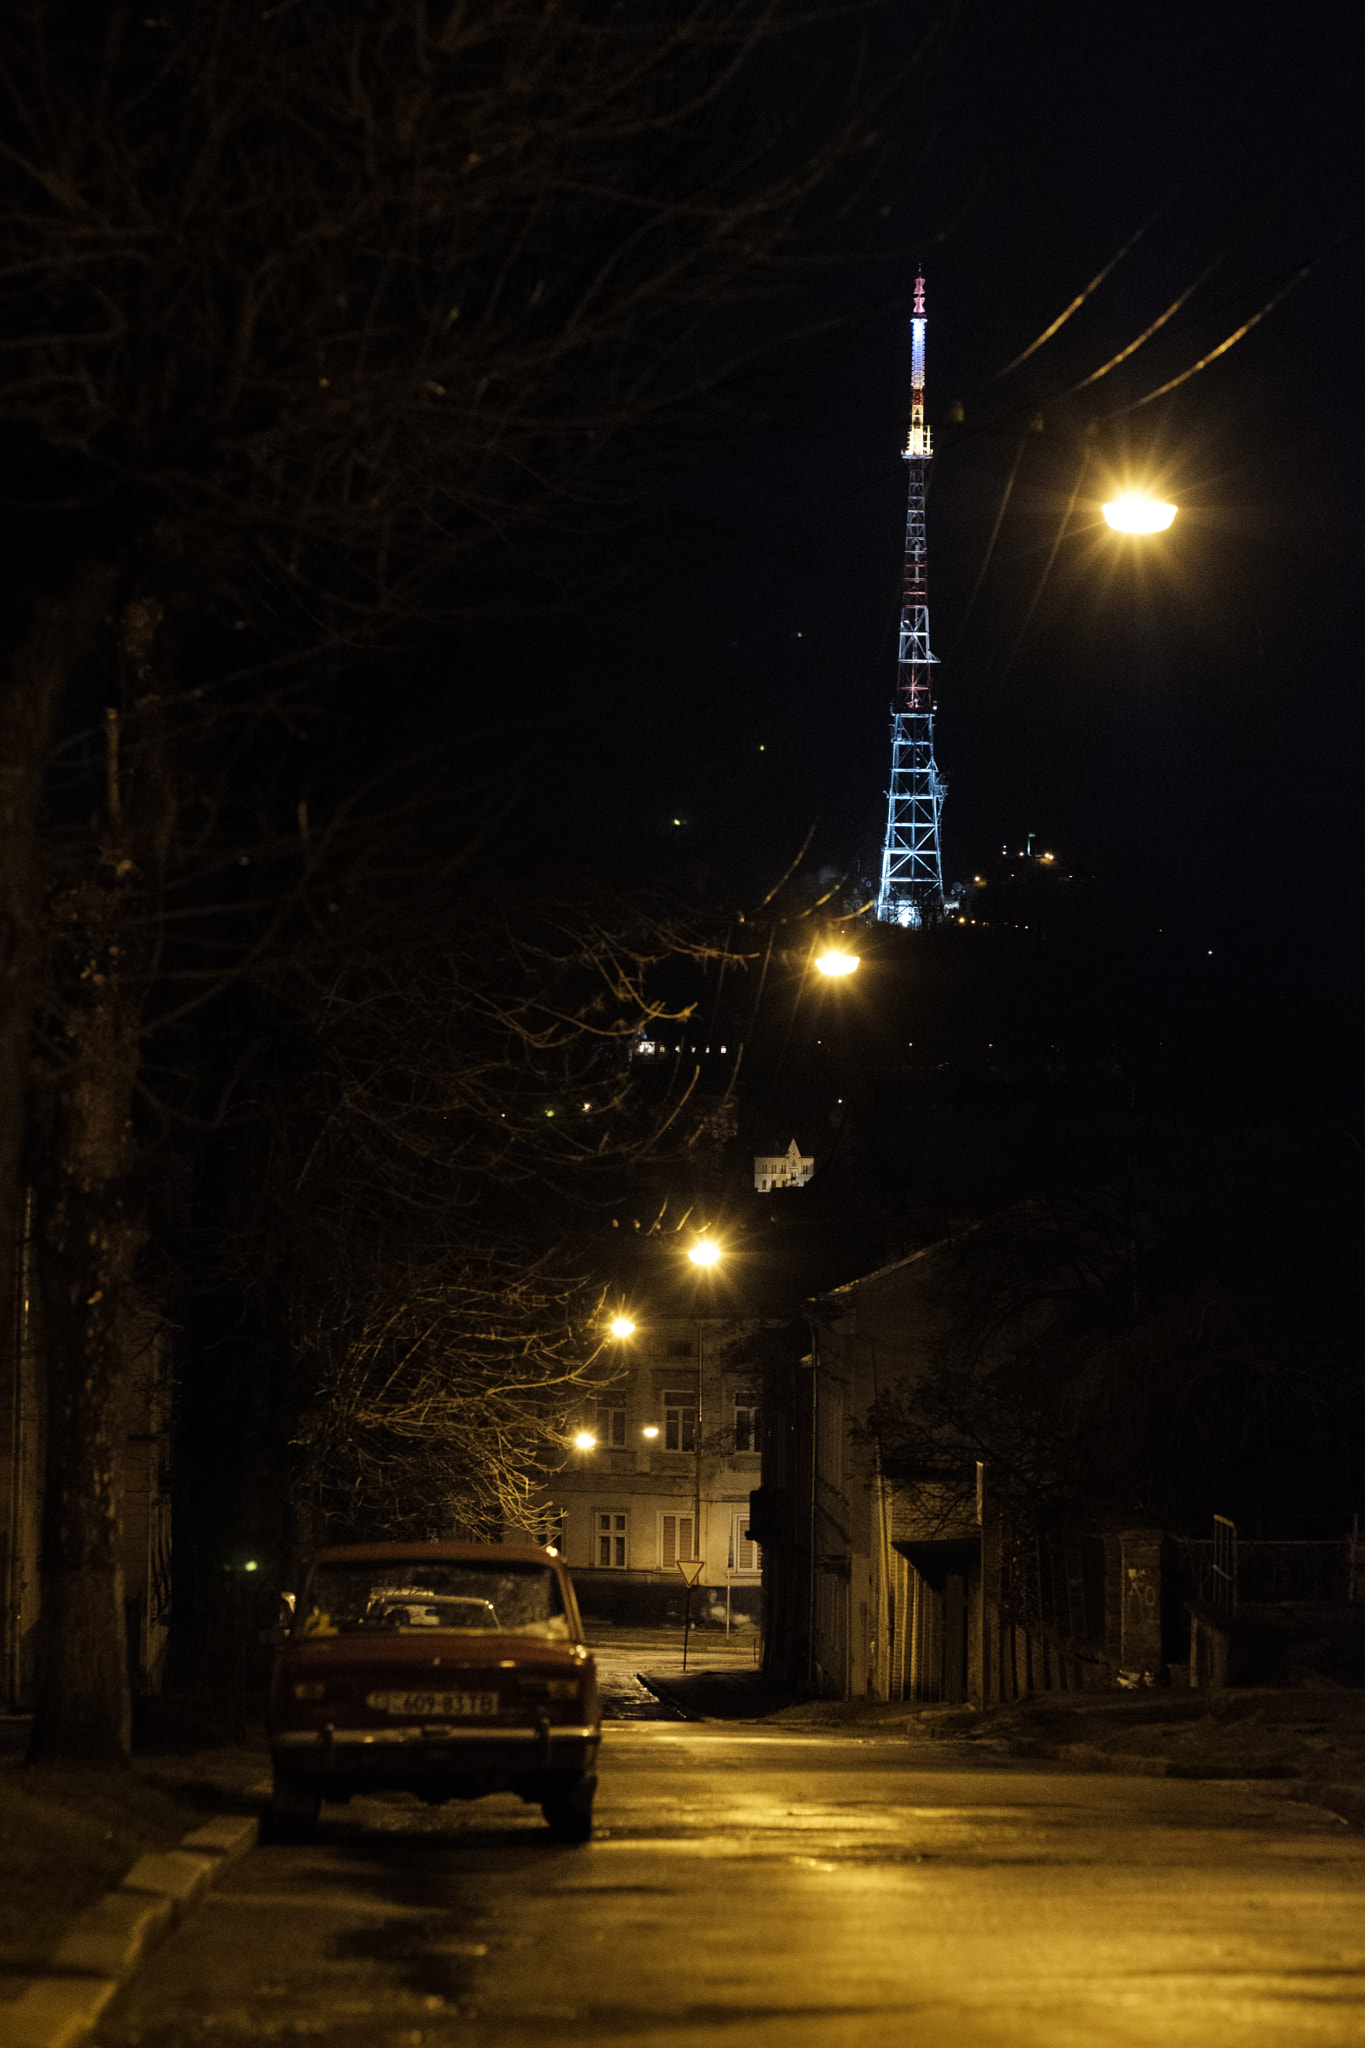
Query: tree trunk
column 92, row 1234
column 88, row 1254
column 61, row 633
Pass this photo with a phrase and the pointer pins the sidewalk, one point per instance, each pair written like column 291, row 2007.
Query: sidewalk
column 1312, row 1741
column 96, row 1864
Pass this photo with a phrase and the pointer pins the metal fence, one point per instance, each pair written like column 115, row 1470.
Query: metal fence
column 1226, row 1571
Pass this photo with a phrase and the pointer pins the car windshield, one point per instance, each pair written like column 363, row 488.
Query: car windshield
column 412, row 1596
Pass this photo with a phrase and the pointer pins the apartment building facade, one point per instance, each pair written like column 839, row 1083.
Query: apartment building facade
column 666, row 1477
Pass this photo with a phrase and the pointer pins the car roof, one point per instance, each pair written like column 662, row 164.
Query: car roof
column 456, row 1553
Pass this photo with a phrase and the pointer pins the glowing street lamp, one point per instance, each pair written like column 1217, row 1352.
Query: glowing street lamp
column 651, row 1430
column 706, row 1252
column 835, row 963
column 622, row 1326
column 1134, row 513
column 585, row 1441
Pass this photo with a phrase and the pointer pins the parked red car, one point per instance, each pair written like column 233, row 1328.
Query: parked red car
column 447, row 1669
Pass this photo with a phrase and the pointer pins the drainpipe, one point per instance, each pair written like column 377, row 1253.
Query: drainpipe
column 814, row 1423
column 22, row 1333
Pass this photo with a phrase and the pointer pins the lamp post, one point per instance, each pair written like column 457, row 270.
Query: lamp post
column 707, row 1254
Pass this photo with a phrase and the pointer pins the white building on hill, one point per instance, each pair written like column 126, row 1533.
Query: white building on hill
column 789, row 1169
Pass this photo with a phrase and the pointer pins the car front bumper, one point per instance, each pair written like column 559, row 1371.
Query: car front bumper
column 443, row 1750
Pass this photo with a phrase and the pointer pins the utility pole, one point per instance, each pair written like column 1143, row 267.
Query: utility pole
column 911, row 891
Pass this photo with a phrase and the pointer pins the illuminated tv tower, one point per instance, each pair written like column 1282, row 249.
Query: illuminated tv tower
column 911, row 891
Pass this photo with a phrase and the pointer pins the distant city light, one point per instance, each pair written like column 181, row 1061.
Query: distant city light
column 706, row 1253
column 585, row 1441
column 1132, row 513
column 837, row 963
column 250, row 1565
column 622, row 1326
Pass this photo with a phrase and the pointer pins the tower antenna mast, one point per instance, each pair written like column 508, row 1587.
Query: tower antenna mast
column 911, row 891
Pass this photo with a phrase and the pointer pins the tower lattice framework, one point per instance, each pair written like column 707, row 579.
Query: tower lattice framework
column 911, row 891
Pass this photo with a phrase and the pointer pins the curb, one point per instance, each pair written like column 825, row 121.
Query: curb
column 106, row 1943
column 651, row 1686
column 1346, row 1801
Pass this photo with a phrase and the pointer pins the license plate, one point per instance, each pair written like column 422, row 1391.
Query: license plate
column 430, row 1706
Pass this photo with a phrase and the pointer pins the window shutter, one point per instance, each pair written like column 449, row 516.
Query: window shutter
column 670, row 1543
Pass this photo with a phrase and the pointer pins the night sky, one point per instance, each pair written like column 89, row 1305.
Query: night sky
column 1182, row 718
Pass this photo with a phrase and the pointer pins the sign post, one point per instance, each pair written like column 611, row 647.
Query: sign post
column 690, row 1567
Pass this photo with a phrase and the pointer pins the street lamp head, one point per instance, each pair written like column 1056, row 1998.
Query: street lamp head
column 704, row 1253
column 835, row 963
column 1133, row 513
column 651, row 1430
column 622, row 1326
column 585, row 1441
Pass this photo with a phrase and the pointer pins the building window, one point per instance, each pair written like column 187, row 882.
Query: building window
column 680, row 1421
column 677, row 1539
column 611, row 1426
column 744, row 1552
column 612, row 1534
column 746, row 1423
column 680, row 1347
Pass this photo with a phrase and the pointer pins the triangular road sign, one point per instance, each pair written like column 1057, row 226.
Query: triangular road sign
column 691, row 1569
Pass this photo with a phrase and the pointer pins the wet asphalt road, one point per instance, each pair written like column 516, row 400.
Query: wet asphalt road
column 767, row 1887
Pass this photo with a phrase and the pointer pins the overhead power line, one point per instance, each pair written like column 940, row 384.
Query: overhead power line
column 990, row 546
column 1221, row 349
column 1047, row 569
column 1079, row 299
column 1148, row 332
